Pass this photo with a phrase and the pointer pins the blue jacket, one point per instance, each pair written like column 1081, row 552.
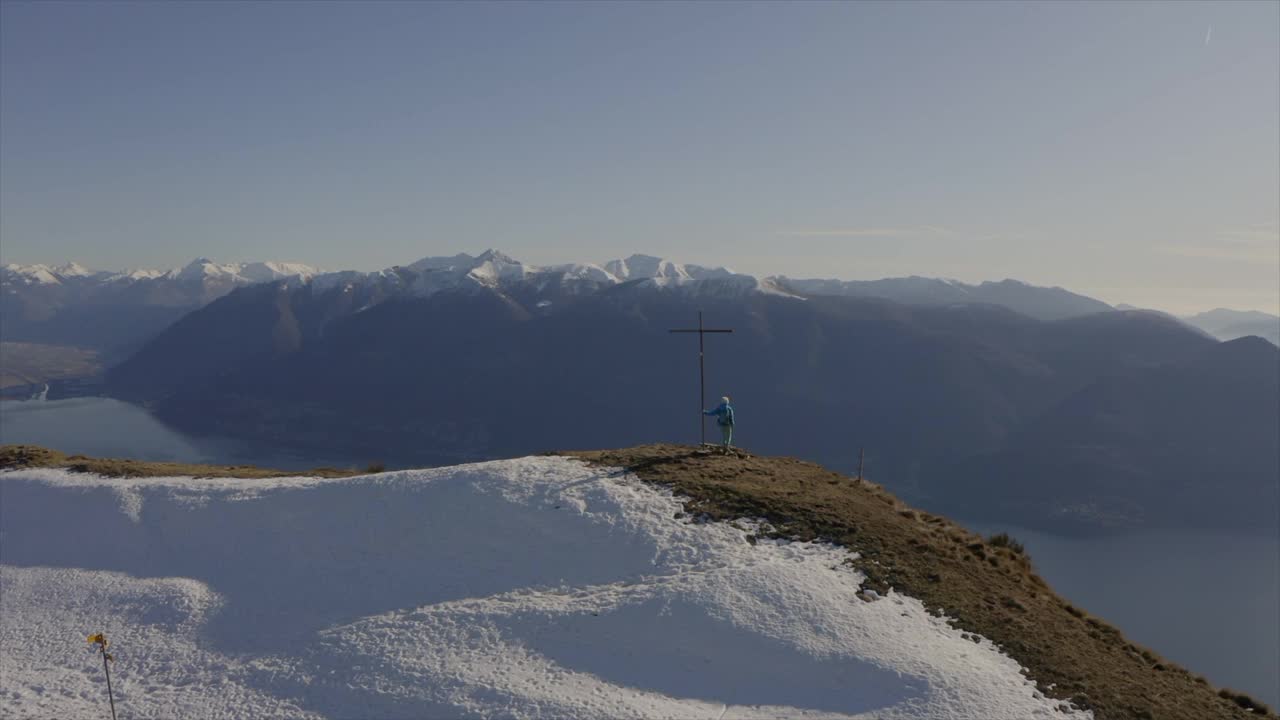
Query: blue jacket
column 723, row 413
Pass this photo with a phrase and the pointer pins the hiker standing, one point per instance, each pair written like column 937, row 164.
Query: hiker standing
column 724, row 418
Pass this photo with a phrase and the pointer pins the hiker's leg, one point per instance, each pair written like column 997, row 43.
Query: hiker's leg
column 726, row 435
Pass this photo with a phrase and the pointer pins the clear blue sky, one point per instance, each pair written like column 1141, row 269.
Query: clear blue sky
column 1127, row 150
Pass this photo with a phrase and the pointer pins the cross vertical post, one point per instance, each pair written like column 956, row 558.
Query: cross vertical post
column 702, row 381
column 702, row 371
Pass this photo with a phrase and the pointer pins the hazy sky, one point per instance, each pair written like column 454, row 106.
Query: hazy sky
column 1126, row 150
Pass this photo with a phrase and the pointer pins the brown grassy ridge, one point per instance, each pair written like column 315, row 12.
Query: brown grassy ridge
column 27, row 456
column 987, row 586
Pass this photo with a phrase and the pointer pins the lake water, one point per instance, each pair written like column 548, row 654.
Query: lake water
column 104, row 427
column 1207, row 600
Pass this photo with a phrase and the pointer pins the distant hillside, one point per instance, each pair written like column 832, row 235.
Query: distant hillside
column 26, row 364
column 514, row 586
column 1231, row 324
column 1181, row 443
column 1038, row 302
column 115, row 312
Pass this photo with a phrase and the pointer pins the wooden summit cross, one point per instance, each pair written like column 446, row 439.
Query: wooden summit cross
column 702, row 372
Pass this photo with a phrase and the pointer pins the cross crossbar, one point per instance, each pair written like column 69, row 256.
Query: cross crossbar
column 702, row 372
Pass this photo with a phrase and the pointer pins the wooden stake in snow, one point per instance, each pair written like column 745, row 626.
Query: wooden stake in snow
column 702, row 373
column 101, row 641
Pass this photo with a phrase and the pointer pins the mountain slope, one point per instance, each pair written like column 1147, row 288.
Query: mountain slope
column 1188, row 443
column 537, row 587
column 26, row 364
column 481, row 372
column 452, row 358
column 545, row 587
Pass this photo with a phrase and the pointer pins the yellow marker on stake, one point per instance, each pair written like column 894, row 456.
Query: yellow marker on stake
column 101, row 641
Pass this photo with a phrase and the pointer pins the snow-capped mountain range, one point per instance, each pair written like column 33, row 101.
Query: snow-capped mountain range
column 494, row 270
column 201, row 269
column 491, row 270
column 48, row 286
column 74, row 305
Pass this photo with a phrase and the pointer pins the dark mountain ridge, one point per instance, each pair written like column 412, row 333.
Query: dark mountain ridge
column 932, row 392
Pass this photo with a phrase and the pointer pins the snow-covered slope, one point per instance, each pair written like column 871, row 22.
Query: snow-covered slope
column 537, row 587
column 648, row 266
column 39, row 274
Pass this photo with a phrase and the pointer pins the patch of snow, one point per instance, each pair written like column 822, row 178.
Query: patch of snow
column 639, row 267
column 535, row 587
column 582, row 271
column 461, row 260
column 139, row 274
column 346, row 279
column 31, row 274
column 769, row 286
column 258, row 272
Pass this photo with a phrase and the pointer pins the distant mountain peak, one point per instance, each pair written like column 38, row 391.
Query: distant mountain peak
column 73, row 269
column 198, row 269
column 640, row 266
column 492, row 255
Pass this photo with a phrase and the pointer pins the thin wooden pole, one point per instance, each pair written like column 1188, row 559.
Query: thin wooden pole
column 862, row 454
column 702, row 383
column 110, row 695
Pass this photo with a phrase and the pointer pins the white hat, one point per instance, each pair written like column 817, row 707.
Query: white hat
column 725, row 399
